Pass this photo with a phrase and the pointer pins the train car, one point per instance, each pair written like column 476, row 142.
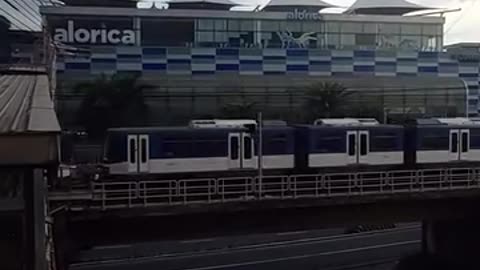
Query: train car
column 443, row 142
column 335, row 143
column 202, row 147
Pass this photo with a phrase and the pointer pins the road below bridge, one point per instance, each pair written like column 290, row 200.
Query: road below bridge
column 324, row 249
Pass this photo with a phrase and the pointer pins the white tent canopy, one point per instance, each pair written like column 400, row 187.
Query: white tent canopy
column 288, row 5
column 384, row 7
column 201, row 4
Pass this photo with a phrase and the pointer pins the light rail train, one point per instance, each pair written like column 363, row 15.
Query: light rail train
column 226, row 147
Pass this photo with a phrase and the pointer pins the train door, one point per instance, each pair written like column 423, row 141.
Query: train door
column 464, row 144
column 363, row 146
column 143, row 153
column 132, row 153
column 248, row 161
column 234, row 151
column 352, row 149
column 138, row 153
column 454, row 145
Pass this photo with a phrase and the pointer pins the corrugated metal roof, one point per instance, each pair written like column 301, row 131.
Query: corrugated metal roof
column 22, row 15
column 25, row 104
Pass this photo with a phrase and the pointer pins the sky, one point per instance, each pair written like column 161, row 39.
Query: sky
column 461, row 26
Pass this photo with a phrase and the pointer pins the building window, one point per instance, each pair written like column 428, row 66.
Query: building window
column 352, row 27
column 370, row 28
column 389, row 28
column 411, row 29
column 368, row 40
column 166, row 32
column 203, row 24
column 233, row 25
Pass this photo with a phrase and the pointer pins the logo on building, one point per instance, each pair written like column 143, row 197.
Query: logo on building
column 465, row 56
column 303, row 15
column 94, row 36
column 290, row 41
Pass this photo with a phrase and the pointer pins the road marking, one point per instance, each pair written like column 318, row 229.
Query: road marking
column 248, row 248
column 193, row 241
column 291, row 233
column 317, row 240
column 111, row 247
column 305, row 256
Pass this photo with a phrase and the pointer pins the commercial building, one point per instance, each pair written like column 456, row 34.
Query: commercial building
column 201, row 56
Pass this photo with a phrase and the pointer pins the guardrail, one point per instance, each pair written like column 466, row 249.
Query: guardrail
column 126, row 194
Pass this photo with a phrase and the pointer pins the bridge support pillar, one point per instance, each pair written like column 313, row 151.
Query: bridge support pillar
column 455, row 242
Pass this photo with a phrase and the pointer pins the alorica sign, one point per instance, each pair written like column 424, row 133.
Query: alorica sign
column 93, row 36
column 303, row 15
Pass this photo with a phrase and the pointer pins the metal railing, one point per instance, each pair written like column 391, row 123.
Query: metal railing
column 126, row 194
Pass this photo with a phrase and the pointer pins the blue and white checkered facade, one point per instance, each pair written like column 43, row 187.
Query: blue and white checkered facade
column 331, row 63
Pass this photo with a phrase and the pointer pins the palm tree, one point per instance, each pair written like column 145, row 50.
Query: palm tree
column 111, row 101
column 325, row 99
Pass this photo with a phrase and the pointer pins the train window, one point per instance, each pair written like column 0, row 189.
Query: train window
column 210, row 147
column 177, row 149
column 247, row 147
column 434, row 140
column 363, row 144
column 330, row 144
column 234, row 148
column 351, row 144
column 385, row 142
column 475, row 138
column 465, row 142
column 132, row 151
column 454, row 142
column 275, row 145
column 143, row 151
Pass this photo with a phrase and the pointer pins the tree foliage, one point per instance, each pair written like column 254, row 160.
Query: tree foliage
column 325, row 99
column 237, row 110
column 111, row 101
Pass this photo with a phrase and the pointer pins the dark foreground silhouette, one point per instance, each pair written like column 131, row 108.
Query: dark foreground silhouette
column 428, row 262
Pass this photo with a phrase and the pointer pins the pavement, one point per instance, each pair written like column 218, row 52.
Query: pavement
column 305, row 250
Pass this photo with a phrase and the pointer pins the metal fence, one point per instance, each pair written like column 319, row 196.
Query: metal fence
column 127, row 194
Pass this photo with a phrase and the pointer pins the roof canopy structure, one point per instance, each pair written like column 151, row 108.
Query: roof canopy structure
column 384, row 7
column 29, row 127
column 289, row 5
column 201, row 4
column 101, row 3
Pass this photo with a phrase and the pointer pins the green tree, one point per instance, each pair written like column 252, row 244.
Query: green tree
column 234, row 110
column 111, row 101
column 325, row 99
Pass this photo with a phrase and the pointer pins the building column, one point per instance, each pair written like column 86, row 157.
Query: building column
column 35, row 200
